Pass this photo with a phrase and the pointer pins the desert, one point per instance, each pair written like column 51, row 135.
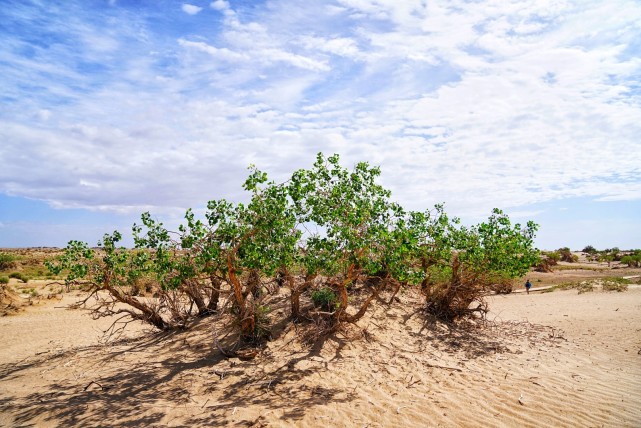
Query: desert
column 553, row 357
column 343, row 213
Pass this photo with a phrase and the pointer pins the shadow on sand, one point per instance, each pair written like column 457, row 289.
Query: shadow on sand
column 153, row 379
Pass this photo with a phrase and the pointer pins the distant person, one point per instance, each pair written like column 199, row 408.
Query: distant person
column 528, row 285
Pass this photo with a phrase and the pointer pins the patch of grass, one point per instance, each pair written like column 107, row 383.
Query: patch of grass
column 609, row 283
column 19, row 276
column 4, row 279
column 582, row 286
column 578, row 267
column 585, row 286
column 324, row 298
column 613, row 283
column 565, row 286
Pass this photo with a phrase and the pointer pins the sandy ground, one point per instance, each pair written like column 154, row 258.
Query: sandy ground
column 544, row 359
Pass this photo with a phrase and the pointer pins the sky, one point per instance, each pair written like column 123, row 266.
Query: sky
column 112, row 108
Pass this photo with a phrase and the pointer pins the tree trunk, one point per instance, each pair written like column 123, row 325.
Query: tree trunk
column 297, row 291
column 358, row 315
column 194, row 294
column 253, row 284
column 214, row 295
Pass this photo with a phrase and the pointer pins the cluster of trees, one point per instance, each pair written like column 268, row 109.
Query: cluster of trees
column 632, row 258
column 548, row 259
column 331, row 236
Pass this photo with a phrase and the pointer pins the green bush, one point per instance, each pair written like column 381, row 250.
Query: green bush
column 19, row 276
column 324, row 298
column 4, row 279
column 566, row 255
column 631, row 260
column 328, row 229
column 7, row 261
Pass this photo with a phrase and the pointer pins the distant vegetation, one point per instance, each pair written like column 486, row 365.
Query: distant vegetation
column 609, row 283
column 7, row 261
column 632, row 260
column 329, row 235
column 548, row 260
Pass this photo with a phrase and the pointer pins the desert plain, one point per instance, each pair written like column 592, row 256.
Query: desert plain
column 554, row 357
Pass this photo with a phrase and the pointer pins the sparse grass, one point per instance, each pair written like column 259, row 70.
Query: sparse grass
column 29, row 262
column 580, row 286
column 19, row 276
column 585, row 286
column 614, row 283
column 578, row 267
column 565, row 286
column 610, row 283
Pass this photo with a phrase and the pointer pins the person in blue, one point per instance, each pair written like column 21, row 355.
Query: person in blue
column 528, row 285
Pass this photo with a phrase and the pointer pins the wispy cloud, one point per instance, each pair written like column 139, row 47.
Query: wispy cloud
column 477, row 104
column 190, row 9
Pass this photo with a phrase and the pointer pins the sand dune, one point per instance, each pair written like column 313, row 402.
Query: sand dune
column 555, row 359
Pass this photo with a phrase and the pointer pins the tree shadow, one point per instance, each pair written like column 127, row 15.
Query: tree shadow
column 473, row 340
column 144, row 381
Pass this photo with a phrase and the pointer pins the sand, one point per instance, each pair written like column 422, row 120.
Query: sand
column 543, row 359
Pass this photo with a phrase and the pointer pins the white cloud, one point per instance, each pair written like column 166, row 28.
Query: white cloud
column 220, row 5
column 220, row 53
column 342, row 46
column 191, row 9
column 523, row 102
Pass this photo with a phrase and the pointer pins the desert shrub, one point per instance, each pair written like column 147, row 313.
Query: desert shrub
column 324, row 298
column 566, row 255
column 632, row 260
column 615, row 284
column 471, row 260
column 231, row 249
column 327, row 228
column 589, row 249
column 4, row 279
column 19, row 276
column 7, row 261
column 546, row 261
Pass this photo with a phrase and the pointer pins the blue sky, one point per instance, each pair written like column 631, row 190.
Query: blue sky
column 112, row 108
